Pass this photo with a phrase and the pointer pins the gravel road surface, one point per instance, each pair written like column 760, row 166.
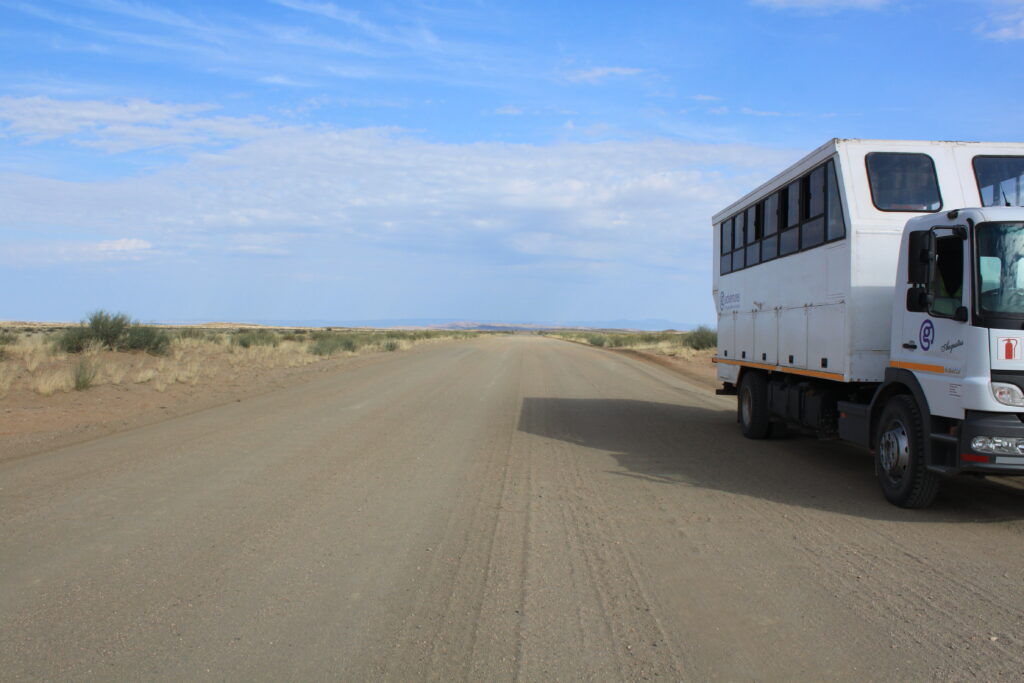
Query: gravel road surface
column 497, row 509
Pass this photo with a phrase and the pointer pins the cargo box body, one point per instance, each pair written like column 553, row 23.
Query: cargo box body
column 807, row 262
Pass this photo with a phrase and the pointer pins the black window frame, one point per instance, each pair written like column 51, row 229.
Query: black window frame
column 935, row 175
column 756, row 240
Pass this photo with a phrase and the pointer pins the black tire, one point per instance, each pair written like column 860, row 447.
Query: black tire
column 752, row 405
column 899, row 455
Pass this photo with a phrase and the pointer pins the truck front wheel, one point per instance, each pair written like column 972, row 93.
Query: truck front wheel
column 899, row 455
column 752, row 405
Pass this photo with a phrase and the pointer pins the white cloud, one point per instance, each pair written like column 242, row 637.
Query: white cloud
column 1005, row 22
column 706, row 98
column 43, row 253
column 509, row 111
column 755, row 112
column 122, row 126
column 278, row 79
column 600, row 73
column 290, row 191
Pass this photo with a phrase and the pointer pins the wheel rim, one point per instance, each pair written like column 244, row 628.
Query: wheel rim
column 894, row 451
column 746, row 405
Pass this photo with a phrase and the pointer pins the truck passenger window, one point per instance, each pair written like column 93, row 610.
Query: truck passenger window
column 947, row 276
column 1000, row 180
column 836, row 223
column 903, row 182
column 770, row 214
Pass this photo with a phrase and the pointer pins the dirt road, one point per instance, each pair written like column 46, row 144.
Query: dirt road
column 504, row 508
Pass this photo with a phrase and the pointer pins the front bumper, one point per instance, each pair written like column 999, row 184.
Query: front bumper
column 978, row 423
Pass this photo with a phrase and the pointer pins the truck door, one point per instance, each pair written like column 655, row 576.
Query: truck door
column 934, row 339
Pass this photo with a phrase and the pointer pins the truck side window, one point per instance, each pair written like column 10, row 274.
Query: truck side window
column 903, row 182
column 947, row 277
column 836, row 226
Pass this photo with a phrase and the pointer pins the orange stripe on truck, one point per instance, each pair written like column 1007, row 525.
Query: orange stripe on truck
column 779, row 368
column 923, row 367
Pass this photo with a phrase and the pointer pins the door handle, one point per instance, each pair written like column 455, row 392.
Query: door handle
column 909, row 345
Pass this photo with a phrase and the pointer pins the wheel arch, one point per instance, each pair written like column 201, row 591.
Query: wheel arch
column 900, row 381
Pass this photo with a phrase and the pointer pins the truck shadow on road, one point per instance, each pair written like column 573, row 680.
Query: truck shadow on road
column 682, row 445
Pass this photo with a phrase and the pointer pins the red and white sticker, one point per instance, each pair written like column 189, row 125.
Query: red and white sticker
column 1008, row 348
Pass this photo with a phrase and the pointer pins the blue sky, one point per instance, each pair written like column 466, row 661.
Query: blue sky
column 526, row 161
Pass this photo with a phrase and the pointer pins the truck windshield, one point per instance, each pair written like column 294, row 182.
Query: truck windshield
column 1001, row 268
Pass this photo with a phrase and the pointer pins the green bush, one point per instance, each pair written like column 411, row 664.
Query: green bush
column 108, row 328
column 7, row 337
column 83, row 374
column 145, row 338
column 73, row 339
column 192, row 333
column 703, row 337
column 116, row 332
column 256, row 338
column 391, row 345
column 328, row 344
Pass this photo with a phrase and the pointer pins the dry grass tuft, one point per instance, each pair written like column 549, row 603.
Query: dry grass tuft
column 6, row 378
column 50, row 382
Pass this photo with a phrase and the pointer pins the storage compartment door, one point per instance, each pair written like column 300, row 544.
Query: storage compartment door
column 793, row 338
column 766, row 337
column 826, row 338
column 745, row 336
column 727, row 335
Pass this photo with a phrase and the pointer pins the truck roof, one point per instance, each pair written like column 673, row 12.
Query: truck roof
column 866, row 145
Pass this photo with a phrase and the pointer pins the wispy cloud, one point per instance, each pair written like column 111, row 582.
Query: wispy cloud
column 122, row 126
column 706, row 98
column 278, row 79
column 56, row 252
column 601, row 73
column 1005, row 21
column 643, row 202
column 509, row 111
column 757, row 112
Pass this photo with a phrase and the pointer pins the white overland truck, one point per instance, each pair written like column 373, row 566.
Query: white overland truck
column 874, row 292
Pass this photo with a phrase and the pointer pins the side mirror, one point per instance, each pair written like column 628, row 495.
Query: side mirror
column 919, row 254
column 917, row 299
column 960, row 314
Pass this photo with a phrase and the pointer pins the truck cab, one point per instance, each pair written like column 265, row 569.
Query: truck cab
column 957, row 340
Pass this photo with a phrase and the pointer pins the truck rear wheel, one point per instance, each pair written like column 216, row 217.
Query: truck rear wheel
column 899, row 455
column 752, row 405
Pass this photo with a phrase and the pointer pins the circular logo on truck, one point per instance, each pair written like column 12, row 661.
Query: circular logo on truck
column 927, row 335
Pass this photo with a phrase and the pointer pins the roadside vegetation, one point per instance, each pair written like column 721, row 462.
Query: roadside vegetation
column 112, row 349
column 684, row 344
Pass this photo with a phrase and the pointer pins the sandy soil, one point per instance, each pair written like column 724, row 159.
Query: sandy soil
column 508, row 508
column 31, row 422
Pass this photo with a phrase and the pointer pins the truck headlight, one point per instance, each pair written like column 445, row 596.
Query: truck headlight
column 1000, row 445
column 1008, row 394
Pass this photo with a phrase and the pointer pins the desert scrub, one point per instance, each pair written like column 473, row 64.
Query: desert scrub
column 249, row 338
column 703, row 337
column 145, row 338
column 326, row 344
column 83, row 374
column 6, row 337
column 116, row 332
column 667, row 343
